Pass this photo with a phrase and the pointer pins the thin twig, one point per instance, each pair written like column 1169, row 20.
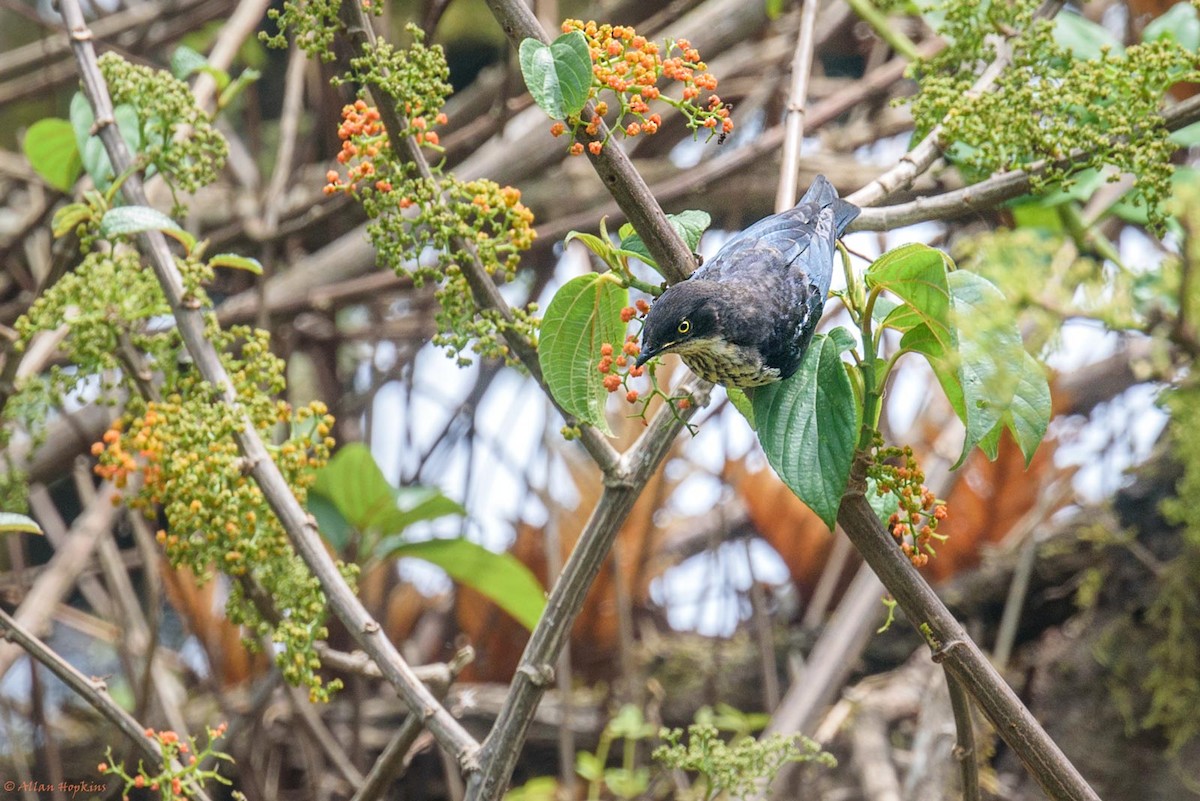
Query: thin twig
column 300, row 526
column 964, row 749
column 793, row 137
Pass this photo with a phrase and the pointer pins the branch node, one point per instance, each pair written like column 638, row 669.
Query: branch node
column 942, row 650
column 372, row 627
column 540, row 676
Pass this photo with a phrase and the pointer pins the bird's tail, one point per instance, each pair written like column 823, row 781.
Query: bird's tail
column 822, row 193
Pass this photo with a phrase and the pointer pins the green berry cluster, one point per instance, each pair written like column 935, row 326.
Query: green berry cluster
column 1048, row 104
column 914, row 524
column 737, row 768
column 416, row 77
column 178, row 138
column 312, row 23
column 177, row 438
column 183, row 450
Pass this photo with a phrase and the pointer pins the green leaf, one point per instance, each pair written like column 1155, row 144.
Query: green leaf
column 917, row 275
column 992, row 356
column 13, row 522
column 1181, row 22
column 1085, row 39
column 807, row 426
column 1188, row 136
column 583, row 315
column 558, row 75
column 49, row 145
column 129, row 220
column 237, row 262
column 364, row 497
column 499, row 576
column 943, row 359
column 1028, row 415
column 91, row 149
column 690, row 225
column 185, row 61
column 588, row 766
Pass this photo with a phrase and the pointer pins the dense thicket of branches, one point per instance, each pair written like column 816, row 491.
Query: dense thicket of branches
column 1076, row 577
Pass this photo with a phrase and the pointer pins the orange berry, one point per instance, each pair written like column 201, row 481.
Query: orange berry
column 557, row 129
column 631, row 396
column 576, row 149
column 627, row 314
column 595, row 147
column 606, row 349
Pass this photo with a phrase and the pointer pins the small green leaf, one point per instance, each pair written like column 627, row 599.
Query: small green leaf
column 499, row 576
column 334, row 528
column 129, row 220
column 807, row 426
column 558, row 75
column 185, row 61
column 1085, row 39
column 884, row 505
column 917, row 275
column 230, row 92
column 49, row 145
column 690, row 225
column 366, row 499
column 1181, row 22
column 583, row 315
column 237, row 262
column 67, row 218
column 843, row 340
column 13, row 522
column 588, row 766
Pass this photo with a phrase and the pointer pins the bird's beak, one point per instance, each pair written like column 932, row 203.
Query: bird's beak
column 645, row 356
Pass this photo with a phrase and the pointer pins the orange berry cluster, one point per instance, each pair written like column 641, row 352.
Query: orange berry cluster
column 914, row 525
column 364, row 139
column 618, row 368
column 185, row 781
column 630, row 67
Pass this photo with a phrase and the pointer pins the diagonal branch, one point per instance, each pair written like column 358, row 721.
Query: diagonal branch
column 300, row 526
column 916, row 161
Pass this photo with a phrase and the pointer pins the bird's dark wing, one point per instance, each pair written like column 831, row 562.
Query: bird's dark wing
column 780, row 242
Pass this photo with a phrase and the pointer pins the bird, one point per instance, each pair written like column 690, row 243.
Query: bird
column 746, row 317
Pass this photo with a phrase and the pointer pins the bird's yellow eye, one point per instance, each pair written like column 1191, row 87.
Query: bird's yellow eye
column 684, row 326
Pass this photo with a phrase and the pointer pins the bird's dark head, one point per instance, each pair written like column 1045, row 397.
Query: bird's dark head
column 684, row 317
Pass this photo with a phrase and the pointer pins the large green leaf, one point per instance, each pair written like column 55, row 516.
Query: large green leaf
column 91, row 149
column 807, row 426
column 1028, row 414
column 363, row 496
column 499, row 576
column 558, row 75
column 49, row 145
column 583, row 315
column 690, row 224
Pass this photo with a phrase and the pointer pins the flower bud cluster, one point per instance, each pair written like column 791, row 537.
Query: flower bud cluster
column 182, row 775
column 914, row 524
column 626, row 72
column 619, row 367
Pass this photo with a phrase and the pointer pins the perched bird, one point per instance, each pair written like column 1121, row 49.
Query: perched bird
column 745, row 317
